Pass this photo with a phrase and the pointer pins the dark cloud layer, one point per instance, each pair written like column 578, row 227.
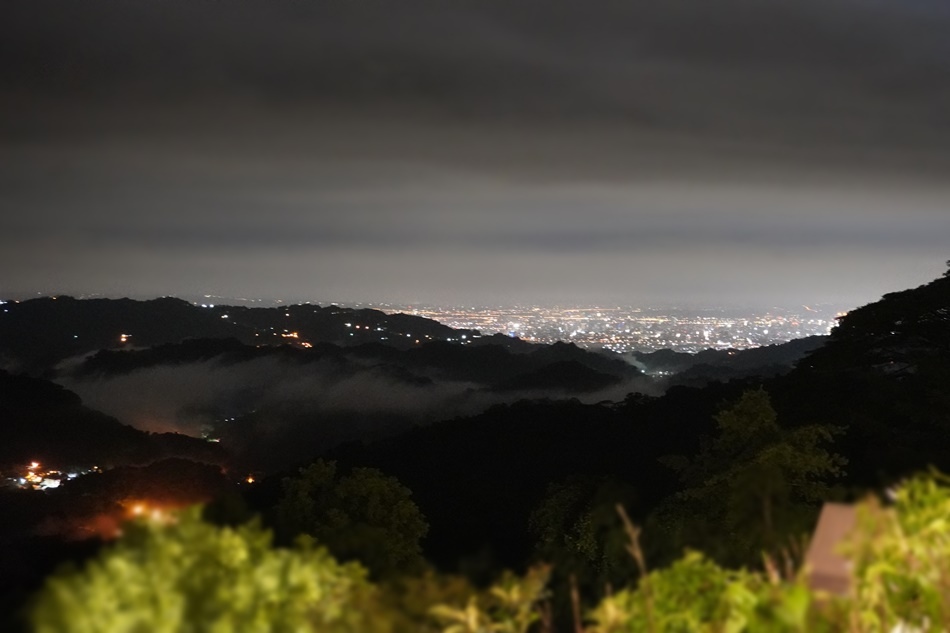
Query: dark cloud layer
column 485, row 150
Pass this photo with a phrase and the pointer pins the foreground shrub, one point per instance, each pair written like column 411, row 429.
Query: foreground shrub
column 192, row 576
column 901, row 557
column 901, row 581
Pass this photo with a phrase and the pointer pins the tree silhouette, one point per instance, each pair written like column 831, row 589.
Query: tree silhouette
column 755, row 484
column 578, row 530
column 904, row 333
column 885, row 371
column 364, row 515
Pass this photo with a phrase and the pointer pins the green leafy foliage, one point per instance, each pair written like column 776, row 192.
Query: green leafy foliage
column 695, row 595
column 407, row 600
column 576, row 528
column 192, row 576
column 901, row 558
column 510, row 606
column 364, row 515
column 756, row 484
column 900, row 582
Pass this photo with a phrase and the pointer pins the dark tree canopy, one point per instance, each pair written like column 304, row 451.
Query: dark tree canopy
column 362, row 515
column 754, row 482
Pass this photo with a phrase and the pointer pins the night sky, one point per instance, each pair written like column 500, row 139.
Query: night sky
column 755, row 152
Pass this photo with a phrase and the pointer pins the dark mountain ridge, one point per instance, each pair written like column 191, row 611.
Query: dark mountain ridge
column 487, row 364
column 37, row 334
column 735, row 360
column 41, row 421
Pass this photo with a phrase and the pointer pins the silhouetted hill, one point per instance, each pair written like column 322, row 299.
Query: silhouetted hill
column 43, row 422
column 38, row 333
column 903, row 333
column 883, row 375
column 602, row 361
column 487, row 365
column 565, row 375
column 19, row 392
column 173, row 481
column 736, row 363
column 699, row 375
column 190, row 351
column 271, row 404
column 510, row 343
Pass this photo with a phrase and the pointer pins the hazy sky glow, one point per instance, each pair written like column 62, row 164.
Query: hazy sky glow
column 740, row 151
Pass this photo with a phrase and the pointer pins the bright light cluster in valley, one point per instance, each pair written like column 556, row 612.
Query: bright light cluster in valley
column 625, row 329
column 34, row 476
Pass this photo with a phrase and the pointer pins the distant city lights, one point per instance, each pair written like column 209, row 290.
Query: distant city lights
column 626, row 329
